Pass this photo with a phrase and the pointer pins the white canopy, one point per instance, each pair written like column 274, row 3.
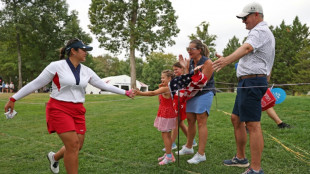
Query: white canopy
column 121, row 81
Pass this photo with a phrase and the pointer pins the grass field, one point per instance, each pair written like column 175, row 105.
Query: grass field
column 121, row 138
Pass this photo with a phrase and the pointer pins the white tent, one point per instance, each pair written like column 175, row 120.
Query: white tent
column 121, row 81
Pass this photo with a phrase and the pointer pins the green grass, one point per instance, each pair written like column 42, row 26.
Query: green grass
column 121, row 138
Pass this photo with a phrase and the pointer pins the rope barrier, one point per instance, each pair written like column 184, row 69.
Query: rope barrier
column 302, row 157
column 305, row 157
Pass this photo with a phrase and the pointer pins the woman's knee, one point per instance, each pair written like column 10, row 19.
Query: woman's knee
column 191, row 120
column 202, row 119
column 73, row 146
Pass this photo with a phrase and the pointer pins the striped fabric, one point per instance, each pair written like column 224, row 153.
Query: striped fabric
column 260, row 60
column 188, row 86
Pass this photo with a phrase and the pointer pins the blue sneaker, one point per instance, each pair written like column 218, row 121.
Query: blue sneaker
column 194, row 143
column 251, row 171
column 174, row 146
column 237, row 162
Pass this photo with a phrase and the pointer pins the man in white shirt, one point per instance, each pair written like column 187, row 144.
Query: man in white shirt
column 256, row 57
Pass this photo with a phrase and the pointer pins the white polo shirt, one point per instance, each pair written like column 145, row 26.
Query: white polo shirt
column 65, row 86
column 260, row 60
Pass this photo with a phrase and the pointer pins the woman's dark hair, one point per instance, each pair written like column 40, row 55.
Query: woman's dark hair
column 204, row 48
column 64, row 51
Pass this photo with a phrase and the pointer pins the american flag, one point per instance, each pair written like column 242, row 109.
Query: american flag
column 188, row 86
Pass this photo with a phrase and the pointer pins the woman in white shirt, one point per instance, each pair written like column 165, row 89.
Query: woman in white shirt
column 65, row 113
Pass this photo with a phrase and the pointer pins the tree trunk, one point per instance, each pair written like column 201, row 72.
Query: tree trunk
column 132, row 44
column 20, row 79
column 132, row 68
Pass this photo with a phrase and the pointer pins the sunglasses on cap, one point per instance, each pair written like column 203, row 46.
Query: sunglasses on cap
column 246, row 17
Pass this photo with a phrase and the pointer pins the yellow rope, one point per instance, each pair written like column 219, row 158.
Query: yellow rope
column 303, row 156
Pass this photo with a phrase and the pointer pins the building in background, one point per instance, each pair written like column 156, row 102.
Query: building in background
column 121, row 81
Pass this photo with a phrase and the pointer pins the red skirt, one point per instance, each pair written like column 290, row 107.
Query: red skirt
column 64, row 116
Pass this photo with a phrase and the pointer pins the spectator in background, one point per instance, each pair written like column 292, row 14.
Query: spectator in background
column 274, row 116
column 3, row 86
column 11, row 87
column 6, row 87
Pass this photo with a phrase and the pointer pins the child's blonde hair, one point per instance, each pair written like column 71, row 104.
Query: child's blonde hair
column 169, row 73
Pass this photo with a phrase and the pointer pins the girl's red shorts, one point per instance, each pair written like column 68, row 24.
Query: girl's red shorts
column 183, row 112
column 64, row 116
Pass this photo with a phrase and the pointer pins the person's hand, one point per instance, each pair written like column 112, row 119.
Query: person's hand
column 136, row 91
column 9, row 105
column 220, row 63
column 183, row 61
column 130, row 93
column 196, row 70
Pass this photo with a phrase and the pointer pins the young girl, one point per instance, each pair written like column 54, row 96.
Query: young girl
column 178, row 70
column 166, row 116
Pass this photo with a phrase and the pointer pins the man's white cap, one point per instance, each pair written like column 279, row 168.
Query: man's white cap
column 251, row 8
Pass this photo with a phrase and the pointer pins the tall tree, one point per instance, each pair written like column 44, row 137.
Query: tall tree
column 144, row 25
column 156, row 63
column 202, row 34
column 290, row 40
column 12, row 18
column 35, row 30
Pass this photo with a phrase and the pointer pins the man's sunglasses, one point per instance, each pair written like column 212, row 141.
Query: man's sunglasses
column 245, row 17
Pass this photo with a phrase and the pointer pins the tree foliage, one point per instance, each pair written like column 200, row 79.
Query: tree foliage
column 227, row 76
column 291, row 41
column 301, row 71
column 156, row 63
column 202, row 34
column 144, row 25
column 32, row 33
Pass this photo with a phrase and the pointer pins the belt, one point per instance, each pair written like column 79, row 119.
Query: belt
column 251, row 76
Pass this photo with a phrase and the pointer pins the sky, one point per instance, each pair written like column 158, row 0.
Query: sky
column 220, row 14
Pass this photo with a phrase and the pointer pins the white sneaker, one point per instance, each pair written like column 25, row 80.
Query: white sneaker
column 197, row 159
column 185, row 151
column 54, row 164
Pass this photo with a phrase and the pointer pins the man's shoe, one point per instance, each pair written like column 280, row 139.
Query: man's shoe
column 251, row 171
column 197, row 159
column 283, row 125
column 185, row 151
column 237, row 162
column 53, row 164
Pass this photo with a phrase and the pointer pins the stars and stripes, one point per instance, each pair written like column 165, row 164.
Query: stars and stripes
column 188, row 86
